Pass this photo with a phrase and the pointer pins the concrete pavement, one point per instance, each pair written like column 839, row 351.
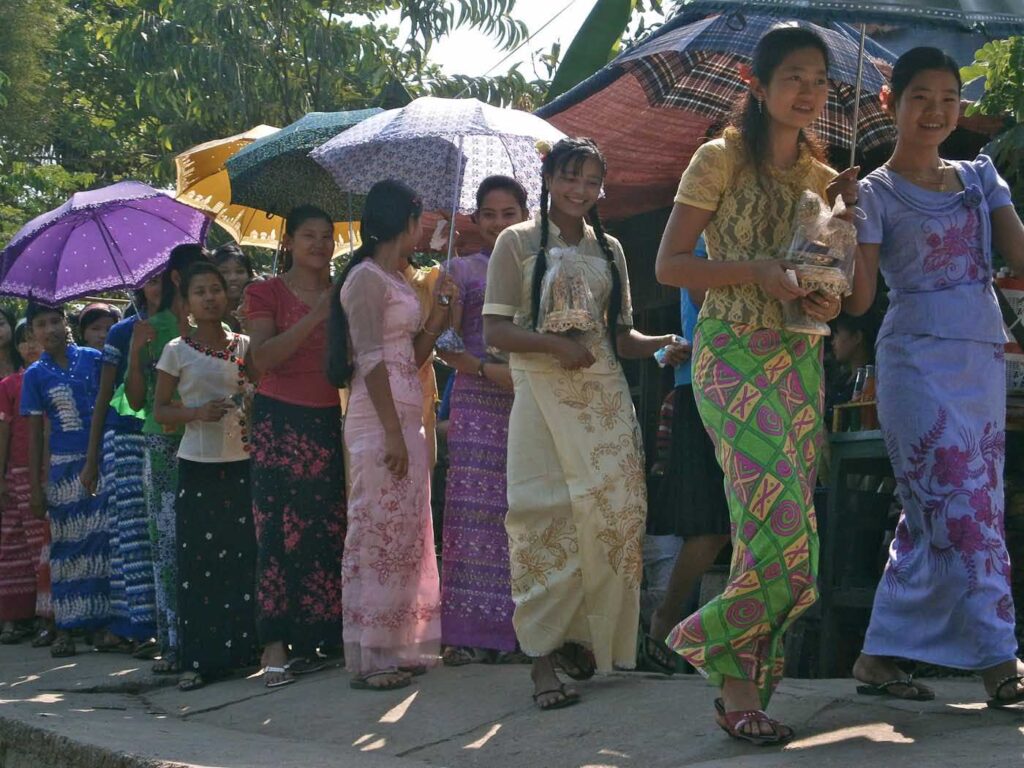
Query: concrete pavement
column 106, row 711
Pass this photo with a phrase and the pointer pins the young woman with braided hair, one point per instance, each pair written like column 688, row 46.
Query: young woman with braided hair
column 576, row 493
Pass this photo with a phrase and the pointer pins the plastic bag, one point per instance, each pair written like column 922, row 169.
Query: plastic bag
column 566, row 302
column 823, row 250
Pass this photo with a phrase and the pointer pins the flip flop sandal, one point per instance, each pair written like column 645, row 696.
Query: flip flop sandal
column 457, row 657
column 285, row 678
column 305, row 666
column 168, row 665
column 417, row 670
column 734, row 722
column 14, row 635
column 43, row 638
column 655, row 655
column 63, row 648
column 999, row 703
column 576, row 661
column 882, row 689
column 362, row 682
column 568, row 698
column 190, row 681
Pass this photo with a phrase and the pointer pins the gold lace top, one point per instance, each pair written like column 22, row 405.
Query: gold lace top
column 753, row 219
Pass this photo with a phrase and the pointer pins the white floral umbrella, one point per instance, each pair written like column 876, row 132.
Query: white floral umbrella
column 442, row 148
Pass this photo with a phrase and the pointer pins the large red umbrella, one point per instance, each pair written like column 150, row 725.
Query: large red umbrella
column 653, row 106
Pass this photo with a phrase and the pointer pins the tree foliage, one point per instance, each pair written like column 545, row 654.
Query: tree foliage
column 93, row 91
column 1001, row 63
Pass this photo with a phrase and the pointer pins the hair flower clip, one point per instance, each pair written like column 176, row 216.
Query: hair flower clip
column 746, row 73
column 544, row 148
column 973, row 196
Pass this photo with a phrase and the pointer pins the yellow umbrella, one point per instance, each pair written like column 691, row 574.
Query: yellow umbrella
column 202, row 182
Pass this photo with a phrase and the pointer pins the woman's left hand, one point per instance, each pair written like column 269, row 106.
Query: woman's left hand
column 844, row 184
column 447, row 292
column 821, row 307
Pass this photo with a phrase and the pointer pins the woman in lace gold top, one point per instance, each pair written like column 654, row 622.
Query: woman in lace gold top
column 576, row 493
column 758, row 387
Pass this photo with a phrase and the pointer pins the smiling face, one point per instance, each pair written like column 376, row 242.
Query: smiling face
column 499, row 211
column 928, row 109
column 236, row 276
column 797, row 90
column 95, row 334
column 312, row 244
column 575, row 187
column 207, row 297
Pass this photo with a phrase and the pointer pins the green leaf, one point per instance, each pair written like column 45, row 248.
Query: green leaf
column 594, row 44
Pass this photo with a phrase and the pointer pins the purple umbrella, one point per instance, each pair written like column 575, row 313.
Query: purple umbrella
column 117, row 237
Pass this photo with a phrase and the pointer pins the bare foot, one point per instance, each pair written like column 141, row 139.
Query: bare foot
column 742, row 696
column 660, row 626
column 876, row 670
column 1010, row 690
column 548, row 689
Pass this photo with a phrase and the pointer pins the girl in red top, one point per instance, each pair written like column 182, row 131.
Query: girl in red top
column 22, row 536
column 297, row 473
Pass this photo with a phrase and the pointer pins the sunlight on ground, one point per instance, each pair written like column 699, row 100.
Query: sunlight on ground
column 362, row 739
column 124, row 672
column 880, row 733
column 612, row 753
column 42, row 698
column 598, row 765
column 485, row 738
column 26, row 679
column 969, row 706
column 266, row 722
column 396, row 713
column 378, row 744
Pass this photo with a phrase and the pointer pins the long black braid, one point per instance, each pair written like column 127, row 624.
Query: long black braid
column 561, row 155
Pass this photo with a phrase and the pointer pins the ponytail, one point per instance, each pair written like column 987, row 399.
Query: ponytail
column 339, row 366
column 389, row 207
column 615, row 298
column 540, row 266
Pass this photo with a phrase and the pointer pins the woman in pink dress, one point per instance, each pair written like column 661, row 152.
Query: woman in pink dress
column 377, row 342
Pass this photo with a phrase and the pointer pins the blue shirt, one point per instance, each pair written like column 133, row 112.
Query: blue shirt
column 66, row 396
column 688, row 312
column 115, row 352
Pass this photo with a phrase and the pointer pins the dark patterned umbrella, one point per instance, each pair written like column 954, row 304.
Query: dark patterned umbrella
column 650, row 108
column 994, row 17
column 275, row 173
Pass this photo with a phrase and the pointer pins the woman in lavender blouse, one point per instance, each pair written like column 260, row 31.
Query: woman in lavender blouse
column 930, row 225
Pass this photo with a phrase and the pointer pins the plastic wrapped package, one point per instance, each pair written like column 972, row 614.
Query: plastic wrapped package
column 566, row 303
column 823, row 252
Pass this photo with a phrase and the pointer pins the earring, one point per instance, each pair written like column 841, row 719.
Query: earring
column 760, row 107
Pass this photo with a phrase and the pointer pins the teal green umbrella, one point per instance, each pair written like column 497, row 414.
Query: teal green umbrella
column 275, row 173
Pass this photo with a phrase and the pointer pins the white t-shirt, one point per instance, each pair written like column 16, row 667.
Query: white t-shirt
column 202, row 377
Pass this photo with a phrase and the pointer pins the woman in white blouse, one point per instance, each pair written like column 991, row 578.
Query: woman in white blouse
column 203, row 383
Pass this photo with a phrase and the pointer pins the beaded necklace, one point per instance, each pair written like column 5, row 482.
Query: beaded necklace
column 230, row 354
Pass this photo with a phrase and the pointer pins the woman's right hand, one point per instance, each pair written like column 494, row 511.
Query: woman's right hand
column 89, row 476
column 572, row 355
column 142, row 334
column 396, row 455
column 213, row 410
column 772, row 277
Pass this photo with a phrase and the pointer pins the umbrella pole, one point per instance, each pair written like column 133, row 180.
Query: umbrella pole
column 115, row 254
column 351, row 244
column 856, row 94
column 455, row 205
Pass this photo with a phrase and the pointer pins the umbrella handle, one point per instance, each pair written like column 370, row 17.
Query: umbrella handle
column 856, row 95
